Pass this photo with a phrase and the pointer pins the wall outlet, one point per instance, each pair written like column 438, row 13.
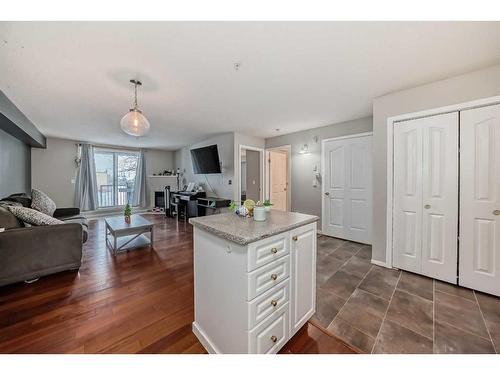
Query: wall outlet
column 73, row 180
column 230, row 182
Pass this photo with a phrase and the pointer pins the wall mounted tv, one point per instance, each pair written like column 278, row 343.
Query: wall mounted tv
column 206, row 160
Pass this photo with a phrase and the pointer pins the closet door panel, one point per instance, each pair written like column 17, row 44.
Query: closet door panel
column 407, row 210
column 440, row 196
column 480, row 199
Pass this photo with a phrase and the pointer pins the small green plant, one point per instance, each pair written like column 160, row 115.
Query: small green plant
column 267, row 203
column 233, row 206
column 128, row 210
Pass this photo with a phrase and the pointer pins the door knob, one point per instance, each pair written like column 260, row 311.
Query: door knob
column 327, row 193
column 496, row 212
column 427, row 206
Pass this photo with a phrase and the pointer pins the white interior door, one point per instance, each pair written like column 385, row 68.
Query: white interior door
column 278, row 161
column 480, row 199
column 407, row 213
column 426, row 196
column 347, row 188
column 440, row 197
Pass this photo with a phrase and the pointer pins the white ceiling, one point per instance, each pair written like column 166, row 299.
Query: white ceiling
column 71, row 79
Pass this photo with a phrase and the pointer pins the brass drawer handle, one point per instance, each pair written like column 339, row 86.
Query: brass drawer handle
column 274, row 338
column 274, row 250
column 274, row 276
column 427, row 206
column 496, row 212
column 274, row 303
column 295, row 238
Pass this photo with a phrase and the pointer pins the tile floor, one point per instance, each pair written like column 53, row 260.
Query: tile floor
column 379, row 310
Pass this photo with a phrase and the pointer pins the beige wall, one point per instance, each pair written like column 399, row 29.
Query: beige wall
column 476, row 85
column 53, row 169
column 304, row 197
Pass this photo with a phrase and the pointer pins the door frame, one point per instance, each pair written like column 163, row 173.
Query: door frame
column 262, row 174
column 391, row 121
column 288, row 149
column 322, row 162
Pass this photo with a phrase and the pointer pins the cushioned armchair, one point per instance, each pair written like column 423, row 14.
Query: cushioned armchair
column 27, row 253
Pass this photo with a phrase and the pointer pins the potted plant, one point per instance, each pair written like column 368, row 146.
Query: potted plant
column 267, row 205
column 127, row 213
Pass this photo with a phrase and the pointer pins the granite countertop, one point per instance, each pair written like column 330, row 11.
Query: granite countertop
column 245, row 230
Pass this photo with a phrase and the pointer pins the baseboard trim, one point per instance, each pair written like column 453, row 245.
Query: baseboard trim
column 204, row 340
column 379, row 263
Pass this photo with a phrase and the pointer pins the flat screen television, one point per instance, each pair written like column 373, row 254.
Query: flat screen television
column 206, row 160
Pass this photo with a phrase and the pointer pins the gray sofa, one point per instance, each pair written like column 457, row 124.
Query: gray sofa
column 30, row 252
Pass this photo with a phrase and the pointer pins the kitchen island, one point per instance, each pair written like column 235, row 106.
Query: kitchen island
column 254, row 282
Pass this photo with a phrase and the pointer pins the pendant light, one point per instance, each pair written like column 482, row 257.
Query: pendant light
column 134, row 123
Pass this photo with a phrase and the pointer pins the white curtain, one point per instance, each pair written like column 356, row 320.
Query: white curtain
column 139, row 197
column 86, row 184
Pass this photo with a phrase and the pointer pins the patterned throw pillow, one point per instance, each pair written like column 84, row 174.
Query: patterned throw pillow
column 33, row 217
column 42, row 202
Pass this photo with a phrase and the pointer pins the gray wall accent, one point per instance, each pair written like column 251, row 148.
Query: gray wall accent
column 253, row 174
column 304, row 197
column 476, row 85
column 15, row 165
column 54, row 168
column 221, row 183
column 15, row 123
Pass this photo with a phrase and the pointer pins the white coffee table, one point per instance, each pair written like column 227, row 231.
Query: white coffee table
column 128, row 235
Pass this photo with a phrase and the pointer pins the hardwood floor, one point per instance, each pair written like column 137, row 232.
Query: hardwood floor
column 135, row 302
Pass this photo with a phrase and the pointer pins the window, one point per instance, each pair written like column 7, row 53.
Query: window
column 115, row 175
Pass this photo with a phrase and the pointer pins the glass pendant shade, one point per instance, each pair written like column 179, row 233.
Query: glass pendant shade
column 134, row 123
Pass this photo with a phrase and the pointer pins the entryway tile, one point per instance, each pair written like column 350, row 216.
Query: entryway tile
column 365, row 252
column 344, row 253
column 454, row 290
column 451, row 340
column 460, row 312
column 357, row 266
column 365, row 312
column 412, row 312
column 351, row 335
column 490, row 307
column 396, row 339
column 415, row 284
column 380, row 281
column 342, row 284
column 327, row 307
column 326, row 267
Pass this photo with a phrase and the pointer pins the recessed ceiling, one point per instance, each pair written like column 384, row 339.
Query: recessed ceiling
column 72, row 78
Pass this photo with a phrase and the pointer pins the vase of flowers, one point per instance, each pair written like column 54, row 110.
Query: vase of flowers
column 127, row 213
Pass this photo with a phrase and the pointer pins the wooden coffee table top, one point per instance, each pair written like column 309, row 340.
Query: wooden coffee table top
column 117, row 223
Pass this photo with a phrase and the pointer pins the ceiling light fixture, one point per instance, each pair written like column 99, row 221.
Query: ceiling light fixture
column 134, row 123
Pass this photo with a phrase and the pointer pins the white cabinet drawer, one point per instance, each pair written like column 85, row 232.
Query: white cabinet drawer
column 265, row 277
column 267, row 250
column 271, row 335
column 267, row 303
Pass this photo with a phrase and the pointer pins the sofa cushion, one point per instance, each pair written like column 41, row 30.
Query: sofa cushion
column 32, row 216
column 7, row 219
column 42, row 202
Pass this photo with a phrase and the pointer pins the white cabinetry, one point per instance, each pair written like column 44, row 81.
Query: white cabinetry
column 253, row 298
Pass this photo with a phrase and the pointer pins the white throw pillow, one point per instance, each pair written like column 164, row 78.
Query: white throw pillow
column 32, row 216
column 42, row 202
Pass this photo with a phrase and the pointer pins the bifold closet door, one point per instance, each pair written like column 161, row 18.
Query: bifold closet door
column 426, row 196
column 480, row 199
